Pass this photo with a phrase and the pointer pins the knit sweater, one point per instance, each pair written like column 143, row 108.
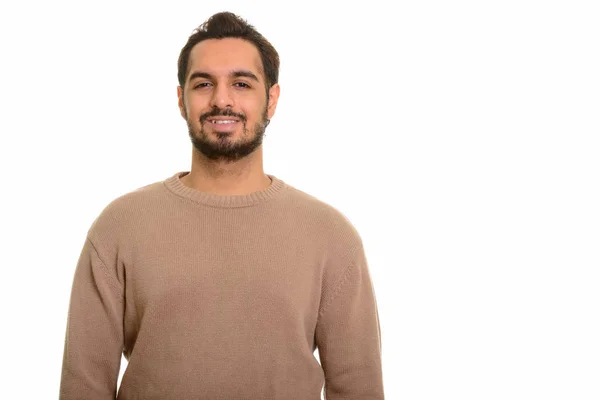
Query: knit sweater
column 221, row 297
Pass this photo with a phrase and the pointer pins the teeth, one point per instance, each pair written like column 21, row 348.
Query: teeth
column 223, row 122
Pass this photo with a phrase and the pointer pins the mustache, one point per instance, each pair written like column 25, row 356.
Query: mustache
column 222, row 113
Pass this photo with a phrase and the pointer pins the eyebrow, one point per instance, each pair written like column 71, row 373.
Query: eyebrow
column 234, row 74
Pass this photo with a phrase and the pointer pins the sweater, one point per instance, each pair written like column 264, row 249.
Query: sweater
column 221, row 297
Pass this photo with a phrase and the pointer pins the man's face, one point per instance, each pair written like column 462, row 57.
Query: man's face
column 224, row 100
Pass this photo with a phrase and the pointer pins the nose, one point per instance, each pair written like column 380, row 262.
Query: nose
column 221, row 97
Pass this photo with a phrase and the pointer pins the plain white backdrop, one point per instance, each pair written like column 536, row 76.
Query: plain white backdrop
column 461, row 139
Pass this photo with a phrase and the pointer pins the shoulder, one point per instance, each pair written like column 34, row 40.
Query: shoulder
column 116, row 220
column 329, row 223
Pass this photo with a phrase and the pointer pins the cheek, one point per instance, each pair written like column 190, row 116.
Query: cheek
column 193, row 113
column 254, row 112
column 194, row 105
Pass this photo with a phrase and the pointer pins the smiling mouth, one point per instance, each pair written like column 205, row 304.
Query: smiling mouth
column 222, row 121
column 223, row 125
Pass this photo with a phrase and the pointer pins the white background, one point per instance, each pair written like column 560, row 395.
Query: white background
column 461, row 139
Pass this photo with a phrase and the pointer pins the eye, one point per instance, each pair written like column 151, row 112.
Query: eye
column 244, row 84
column 201, row 85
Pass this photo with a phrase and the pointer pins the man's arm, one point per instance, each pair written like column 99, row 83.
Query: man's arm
column 348, row 336
column 94, row 334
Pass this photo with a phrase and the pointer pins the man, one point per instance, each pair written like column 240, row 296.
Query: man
column 220, row 282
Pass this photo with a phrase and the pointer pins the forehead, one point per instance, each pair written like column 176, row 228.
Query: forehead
column 220, row 56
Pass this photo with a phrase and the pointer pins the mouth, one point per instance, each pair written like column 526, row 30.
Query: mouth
column 223, row 124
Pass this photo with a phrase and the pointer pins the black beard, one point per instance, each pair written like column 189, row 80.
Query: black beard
column 223, row 149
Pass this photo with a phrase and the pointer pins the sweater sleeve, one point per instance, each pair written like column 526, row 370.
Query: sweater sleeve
column 348, row 336
column 94, row 333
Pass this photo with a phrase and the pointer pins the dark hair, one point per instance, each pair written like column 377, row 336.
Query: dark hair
column 228, row 25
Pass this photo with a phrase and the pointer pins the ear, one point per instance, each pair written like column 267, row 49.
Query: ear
column 181, row 103
column 273, row 98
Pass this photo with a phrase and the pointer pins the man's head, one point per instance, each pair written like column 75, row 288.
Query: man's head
column 227, row 71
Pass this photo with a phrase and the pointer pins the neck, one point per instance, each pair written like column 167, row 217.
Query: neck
column 235, row 178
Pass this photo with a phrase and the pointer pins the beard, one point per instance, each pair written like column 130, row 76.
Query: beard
column 225, row 148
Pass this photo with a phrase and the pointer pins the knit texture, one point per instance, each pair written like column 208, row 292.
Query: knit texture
column 223, row 298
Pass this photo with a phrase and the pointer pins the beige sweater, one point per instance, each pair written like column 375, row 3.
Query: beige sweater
column 222, row 298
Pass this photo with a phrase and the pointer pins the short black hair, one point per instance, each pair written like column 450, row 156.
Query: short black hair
column 228, row 25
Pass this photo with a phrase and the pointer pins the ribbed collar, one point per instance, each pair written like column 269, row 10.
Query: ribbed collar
column 175, row 185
